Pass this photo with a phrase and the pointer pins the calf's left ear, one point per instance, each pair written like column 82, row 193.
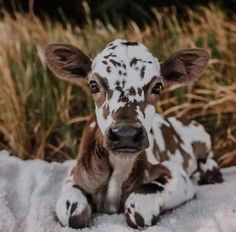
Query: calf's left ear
column 185, row 65
column 67, row 62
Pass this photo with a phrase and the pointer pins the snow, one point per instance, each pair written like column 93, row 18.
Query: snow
column 29, row 190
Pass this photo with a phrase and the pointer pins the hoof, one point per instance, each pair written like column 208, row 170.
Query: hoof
column 213, row 176
column 73, row 210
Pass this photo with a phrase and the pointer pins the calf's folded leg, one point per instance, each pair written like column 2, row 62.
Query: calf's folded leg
column 73, row 208
column 166, row 191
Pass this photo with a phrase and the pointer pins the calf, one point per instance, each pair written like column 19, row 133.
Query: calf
column 132, row 159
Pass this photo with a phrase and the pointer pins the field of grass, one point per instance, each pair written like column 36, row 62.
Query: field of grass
column 42, row 117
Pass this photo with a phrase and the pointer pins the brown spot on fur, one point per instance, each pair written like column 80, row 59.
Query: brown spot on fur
column 81, row 220
column 139, row 91
column 200, row 150
column 107, row 56
column 185, row 121
column 139, row 220
column 113, row 47
column 122, row 97
column 157, row 171
column 211, row 177
column 126, row 113
column 133, row 62
column 154, row 219
column 168, row 134
column 162, row 179
column 130, row 43
column 130, row 222
column 173, row 143
column 114, row 62
column 149, row 188
column 142, row 72
column 106, row 111
column 132, row 91
column 108, row 69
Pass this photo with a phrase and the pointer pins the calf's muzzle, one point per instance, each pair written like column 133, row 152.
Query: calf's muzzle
column 127, row 138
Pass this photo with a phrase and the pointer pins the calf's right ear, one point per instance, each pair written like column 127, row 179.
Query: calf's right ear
column 185, row 65
column 67, row 62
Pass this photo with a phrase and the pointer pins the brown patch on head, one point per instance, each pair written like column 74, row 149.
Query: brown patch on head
column 126, row 113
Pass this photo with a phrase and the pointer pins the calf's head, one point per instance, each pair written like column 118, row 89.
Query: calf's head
column 125, row 80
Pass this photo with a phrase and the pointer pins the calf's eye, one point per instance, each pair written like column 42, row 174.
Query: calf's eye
column 94, row 87
column 157, row 88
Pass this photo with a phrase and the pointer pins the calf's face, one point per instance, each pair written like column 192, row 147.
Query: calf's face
column 125, row 80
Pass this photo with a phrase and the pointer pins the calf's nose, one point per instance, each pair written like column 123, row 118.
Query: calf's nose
column 126, row 137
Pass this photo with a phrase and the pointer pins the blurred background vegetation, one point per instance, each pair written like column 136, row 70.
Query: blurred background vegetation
column 43, row 117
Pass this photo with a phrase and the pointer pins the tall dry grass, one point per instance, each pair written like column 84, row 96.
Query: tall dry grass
column 42, row 117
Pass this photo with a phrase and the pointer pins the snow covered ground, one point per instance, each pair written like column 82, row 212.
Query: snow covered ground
column 29, row 189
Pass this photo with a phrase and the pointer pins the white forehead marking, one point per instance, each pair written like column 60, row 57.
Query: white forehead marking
column 133, row 64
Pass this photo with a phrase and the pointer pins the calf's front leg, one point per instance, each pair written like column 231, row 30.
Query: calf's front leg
column 165, row 191
column 73, row 208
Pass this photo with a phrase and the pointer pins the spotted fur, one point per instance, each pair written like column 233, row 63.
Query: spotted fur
column 156, row 177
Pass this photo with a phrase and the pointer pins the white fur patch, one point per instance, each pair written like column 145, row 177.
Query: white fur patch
column 194, row 132
column 70, row 197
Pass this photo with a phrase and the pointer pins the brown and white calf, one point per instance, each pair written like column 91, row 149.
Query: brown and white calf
column 132, row 159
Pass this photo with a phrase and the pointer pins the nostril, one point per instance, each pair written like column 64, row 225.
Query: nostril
column 113, row 137
column 138, row 135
